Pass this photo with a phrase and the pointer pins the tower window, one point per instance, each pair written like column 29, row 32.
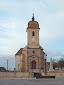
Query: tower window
column 33, row 33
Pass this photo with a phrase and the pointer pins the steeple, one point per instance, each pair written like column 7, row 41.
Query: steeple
column 33, row 24
column 33, row 17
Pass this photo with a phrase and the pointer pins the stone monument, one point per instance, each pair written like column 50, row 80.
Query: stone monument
column 51, row 65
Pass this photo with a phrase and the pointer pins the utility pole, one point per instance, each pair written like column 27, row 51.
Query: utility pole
column 7, row 64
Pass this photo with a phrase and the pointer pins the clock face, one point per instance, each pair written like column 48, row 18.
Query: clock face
column 33, row 39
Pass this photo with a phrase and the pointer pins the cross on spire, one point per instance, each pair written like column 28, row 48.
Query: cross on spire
column 33, row 15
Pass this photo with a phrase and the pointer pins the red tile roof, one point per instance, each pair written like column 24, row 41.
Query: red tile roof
column 19, row 52
column 33, row 25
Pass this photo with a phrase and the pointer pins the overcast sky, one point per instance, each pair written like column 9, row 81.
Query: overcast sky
column 14, row 18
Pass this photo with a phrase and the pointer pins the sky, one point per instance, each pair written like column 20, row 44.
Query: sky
column 14, row 18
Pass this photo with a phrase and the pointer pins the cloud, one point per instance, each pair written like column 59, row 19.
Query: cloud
column 54, row 55
column 13, row 36
column 57, row 4
column 16, row 8
column 53, row 26
column 14, row 18
column 11, row 62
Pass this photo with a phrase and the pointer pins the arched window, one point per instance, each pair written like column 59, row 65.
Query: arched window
column 33, row 33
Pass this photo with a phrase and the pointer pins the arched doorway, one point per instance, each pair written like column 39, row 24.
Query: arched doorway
column 33, row 64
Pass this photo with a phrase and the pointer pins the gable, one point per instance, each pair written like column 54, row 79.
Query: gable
column 19, row 52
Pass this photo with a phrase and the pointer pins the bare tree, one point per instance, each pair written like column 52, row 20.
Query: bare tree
column 61, row 63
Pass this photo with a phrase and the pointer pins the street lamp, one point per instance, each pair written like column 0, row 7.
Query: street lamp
column 7, row 64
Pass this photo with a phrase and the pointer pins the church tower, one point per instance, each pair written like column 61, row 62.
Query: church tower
column 35, row 53
column 33, row 34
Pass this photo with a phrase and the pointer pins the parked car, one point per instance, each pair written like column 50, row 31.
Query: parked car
column 2, row 69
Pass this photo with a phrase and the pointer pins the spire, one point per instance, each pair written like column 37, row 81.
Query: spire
column 33, row 16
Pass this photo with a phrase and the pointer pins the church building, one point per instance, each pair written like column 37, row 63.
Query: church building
column 32, row 57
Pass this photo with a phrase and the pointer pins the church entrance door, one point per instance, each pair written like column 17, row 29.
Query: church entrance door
column 33, row 64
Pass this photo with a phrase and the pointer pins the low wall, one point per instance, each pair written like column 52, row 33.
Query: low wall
column 14, row 74
column 53, row 74
column 27, row 74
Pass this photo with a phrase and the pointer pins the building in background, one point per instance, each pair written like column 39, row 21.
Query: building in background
column 31, row 58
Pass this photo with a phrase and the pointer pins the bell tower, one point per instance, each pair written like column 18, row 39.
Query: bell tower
column 33, row 33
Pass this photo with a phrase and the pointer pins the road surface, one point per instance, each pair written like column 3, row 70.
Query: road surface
column 31, row 82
